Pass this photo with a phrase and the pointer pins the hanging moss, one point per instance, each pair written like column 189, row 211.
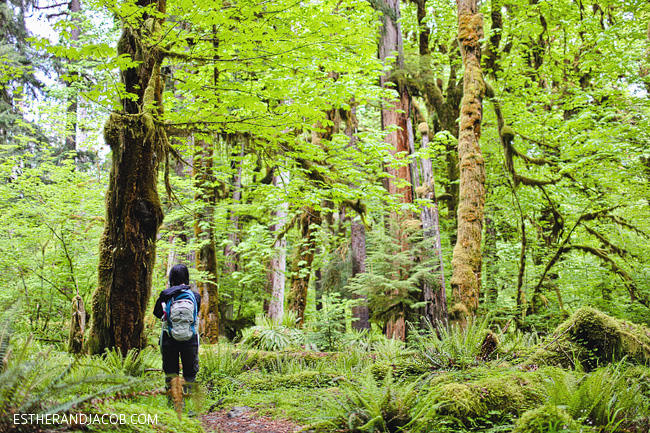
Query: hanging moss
column 544, row 419
column 593, row 338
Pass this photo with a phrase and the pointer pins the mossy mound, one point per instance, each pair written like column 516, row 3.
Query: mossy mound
column 302, row 379
column 490, row 398
column 544, row 419
column 273, row 361
column 400, row 367
column 593, row 338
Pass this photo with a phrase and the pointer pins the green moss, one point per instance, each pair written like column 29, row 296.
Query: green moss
column 592, row 338
column 507, row 132
column 302, row 379
column 491, row 398
column 272, row 361
column 546, row 419
column 400, row 367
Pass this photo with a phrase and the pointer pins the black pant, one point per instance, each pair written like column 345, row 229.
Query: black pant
column 189, row 356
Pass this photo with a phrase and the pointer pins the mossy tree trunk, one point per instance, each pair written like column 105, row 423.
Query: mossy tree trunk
column 206, row 257
column 443, row 104
column 278, row 265
column 396, row 112
column 127, row 248
column 466, row 263
column 310, row 221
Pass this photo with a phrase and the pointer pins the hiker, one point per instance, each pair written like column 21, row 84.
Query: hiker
column 178, row 307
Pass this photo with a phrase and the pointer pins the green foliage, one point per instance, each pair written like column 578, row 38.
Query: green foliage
column 546, row 419
column 453, row 347
column 326, row 329
column 268, row 334
column 134, row 363
column 365, row 405
column 392, row 270
column 42, row 381
column 606, row 397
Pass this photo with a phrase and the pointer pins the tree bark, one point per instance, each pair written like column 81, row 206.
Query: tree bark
column 466, row 263
column 435, row 309
column 279, row 260
column 360, row 312
column 127, row 248
column 71, row 127
column 395, row 112
column 231, row 259
column 206, row 256
column 310, row 220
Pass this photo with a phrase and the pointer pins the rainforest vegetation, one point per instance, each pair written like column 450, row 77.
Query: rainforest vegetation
column 416, row 216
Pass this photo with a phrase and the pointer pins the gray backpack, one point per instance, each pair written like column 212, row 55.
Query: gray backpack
column 182, row 316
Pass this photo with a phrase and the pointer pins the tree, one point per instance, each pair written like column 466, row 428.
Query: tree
column 133, row 210
column 466, row 280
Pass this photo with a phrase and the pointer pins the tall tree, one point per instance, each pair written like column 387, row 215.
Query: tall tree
column 133, row 210
column 278, row 265
column 395, row 113
column 466, row 263
column 206, row 257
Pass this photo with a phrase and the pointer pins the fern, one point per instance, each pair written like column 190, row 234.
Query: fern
column 452, row 347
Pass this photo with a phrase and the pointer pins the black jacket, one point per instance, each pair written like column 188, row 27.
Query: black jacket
column 165, row 296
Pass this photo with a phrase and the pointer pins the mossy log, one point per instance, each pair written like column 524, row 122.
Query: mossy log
column 593, row 339
column 491, row 397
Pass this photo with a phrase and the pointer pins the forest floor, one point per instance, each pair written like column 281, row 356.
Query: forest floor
column 243, row 419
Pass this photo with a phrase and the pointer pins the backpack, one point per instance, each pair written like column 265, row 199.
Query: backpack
column 182, row 312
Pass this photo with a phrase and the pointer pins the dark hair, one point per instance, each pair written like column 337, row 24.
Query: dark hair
column 179, row 275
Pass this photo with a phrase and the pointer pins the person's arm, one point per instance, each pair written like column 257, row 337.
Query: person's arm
column 198, row 300
column 157, row 308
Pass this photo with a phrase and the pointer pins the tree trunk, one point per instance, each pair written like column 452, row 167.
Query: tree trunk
column 435, row 309
column 127, row 248
column 206, row 256
column 491, row 259
column 395, row 113
column 71, row 125
column 466, row 263
column 302, row 261
column 360, row 312
column 279, row 260
column 230, row 256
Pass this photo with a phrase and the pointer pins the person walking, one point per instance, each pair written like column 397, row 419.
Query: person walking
column 178, row 307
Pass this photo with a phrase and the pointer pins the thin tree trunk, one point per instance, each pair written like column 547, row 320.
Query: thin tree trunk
column 279, row 260
column 127, row 249
column 230, row 256
column 206, row 256
column 360, row 312
column 466, row 263
column 435, row 309
column 491, row 259
column 71, row 127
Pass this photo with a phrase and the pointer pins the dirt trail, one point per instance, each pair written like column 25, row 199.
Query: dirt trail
column 243, row 419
